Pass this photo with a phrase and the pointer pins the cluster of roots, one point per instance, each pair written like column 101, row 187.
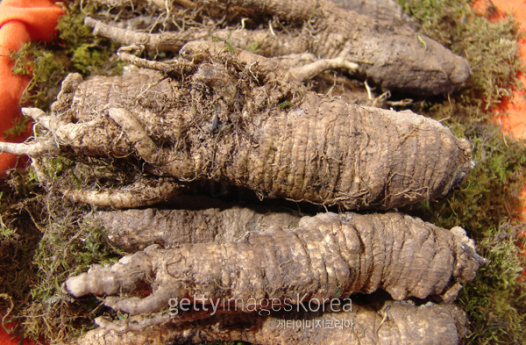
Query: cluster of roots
column 236, row 105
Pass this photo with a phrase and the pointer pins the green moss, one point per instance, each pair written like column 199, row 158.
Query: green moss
column 496, row 301
column 285, row 104
column 65, row 249
column 490, row 47
column 75, row 50
column 488, row 204
column 488, row 207
column 253, row 47
column 20, row 127
column 43, row 66
column 20, row 205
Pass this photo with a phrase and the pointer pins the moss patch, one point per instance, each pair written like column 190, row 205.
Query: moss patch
column 490, row 47
column 75, row 49
column 488, row 205
column 41, row 239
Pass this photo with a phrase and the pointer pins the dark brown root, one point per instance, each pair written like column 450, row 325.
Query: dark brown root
column 392, row 323
column 33, row 149
column 391, row 55
column 136, row 229
column 141, row 193
column 378, row 9
column 326, row 255
column 236, row 118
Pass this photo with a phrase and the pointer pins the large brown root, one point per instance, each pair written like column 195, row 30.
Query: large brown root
column 325, row 256
column 137, row 228
column 238, row 119
column 378, row 9
column 394, row 323
column 389, row 54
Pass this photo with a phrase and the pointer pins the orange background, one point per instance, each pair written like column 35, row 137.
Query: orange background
column 21, row 21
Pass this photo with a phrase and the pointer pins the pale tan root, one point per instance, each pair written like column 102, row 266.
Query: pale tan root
column 136, row 229
column 136, row 134
column 391, row 55
column 235, row 117
column 161, row 4
column 304, row 73
column 153, row 42
column 391, row 323
column 31, row 150
column 139, row 194
column 309, row 71
column 379, row 9
column 324, row 256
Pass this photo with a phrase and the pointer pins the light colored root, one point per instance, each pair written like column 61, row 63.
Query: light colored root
column 394, row 323
column 311, row 70
column 33, row 113
column 451, row 294
column 31, row 150
column 137, row 267
column 161, row 4
column 136, row 134
column 335, row 254
column 164, row 67
column 137, row 61
column 118, row 35
column 152, row 42
column 35, row 148
column 137, row 228
column 134, row 323
column 137, row 194
column 135, row 305
column 138, row 323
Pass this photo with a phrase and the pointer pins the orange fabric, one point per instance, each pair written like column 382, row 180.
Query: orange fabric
column 5, row 339
column 514, row 121
column 21, row 21
column 511, row 115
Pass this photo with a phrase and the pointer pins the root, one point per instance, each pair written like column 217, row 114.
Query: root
column 379, row 9
column 326, row 255
column 309, row 71
column 135, row 323
column 235, row 117
column 136, row 229
column 135, row 133
column 139, row 194
column 393, row 323
column 151, row 42
column 392, row 56
column 135, row 305
column 32, row 149
column 194, row 50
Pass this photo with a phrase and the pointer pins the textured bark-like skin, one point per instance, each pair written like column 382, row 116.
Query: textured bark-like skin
column 377, row 9
column 392, row 55
column 394, row 323
column 137, row 228
column 224, row 122
column 325, row 256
